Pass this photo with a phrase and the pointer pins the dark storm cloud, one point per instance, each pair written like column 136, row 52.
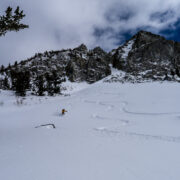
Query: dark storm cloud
column 60, row 24
column 162, row 16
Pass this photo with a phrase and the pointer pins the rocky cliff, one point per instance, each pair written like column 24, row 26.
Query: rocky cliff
column 45, row 72
column 145, row 57
column 148, row 56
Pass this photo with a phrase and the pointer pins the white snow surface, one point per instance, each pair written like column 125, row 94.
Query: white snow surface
column 111, row 131
column 69, row 87
column 127, row 48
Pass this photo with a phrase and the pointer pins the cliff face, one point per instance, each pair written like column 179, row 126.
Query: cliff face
column 45, row 72
column 151, row 56
column 90, row 66
column 145, row 57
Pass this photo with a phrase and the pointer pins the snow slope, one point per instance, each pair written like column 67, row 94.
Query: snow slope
column 112, row 131
column 127, row 48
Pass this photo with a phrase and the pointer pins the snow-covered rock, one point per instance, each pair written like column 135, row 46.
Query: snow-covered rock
column 150, row 53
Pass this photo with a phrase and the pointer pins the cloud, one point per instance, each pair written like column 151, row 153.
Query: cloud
column 67, row 23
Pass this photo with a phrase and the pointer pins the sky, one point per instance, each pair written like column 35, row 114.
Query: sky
column 61, row 24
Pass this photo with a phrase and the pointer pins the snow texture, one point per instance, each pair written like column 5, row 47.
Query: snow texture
column 127, row 48
column 111, row 131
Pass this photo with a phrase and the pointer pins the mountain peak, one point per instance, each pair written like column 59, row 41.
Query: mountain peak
column 150, row 56
column 147, row 36
column 82, row 47
column 142, row 32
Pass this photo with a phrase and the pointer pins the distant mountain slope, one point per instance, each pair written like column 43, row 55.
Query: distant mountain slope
column 45, row 72
column 145, row 57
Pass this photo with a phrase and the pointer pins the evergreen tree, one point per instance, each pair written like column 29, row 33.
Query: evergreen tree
column 172, row 73
column 52, row 83
column 9, row 66
column 49, row 86
column 40, row 85
column 5, row 83
column 177, row 72
column 20, row 82
column 15, row 63
column 56, row 82
column 2, row 69
column 11, row 21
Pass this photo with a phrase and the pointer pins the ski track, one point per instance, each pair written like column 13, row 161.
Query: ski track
column 149, row 114
column 115, row 132
column 90, row 102
column 106, row 103
column 107, row 118
column 111, row 132
column 125, row 103
column 115, row 94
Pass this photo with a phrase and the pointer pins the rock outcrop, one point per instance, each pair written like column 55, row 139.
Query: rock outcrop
column 145, row 57
column 45, row 72
column 149, row 56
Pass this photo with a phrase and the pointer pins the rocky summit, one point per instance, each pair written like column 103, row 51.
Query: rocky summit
column 145, row 57
column 148, row 56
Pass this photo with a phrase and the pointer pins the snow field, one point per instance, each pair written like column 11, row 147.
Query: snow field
column 111, row 131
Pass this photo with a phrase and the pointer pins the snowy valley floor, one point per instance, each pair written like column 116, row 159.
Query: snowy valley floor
column 111, row 132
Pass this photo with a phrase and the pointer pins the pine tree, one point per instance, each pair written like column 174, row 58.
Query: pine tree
column 9, row 66
column 20, row 82
column 15, row 63
column 52, row 83
column 2, row 69
column 11, row 21
column 56, row 81
column 5, row 83
column 177, row 72
column 40, row 85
